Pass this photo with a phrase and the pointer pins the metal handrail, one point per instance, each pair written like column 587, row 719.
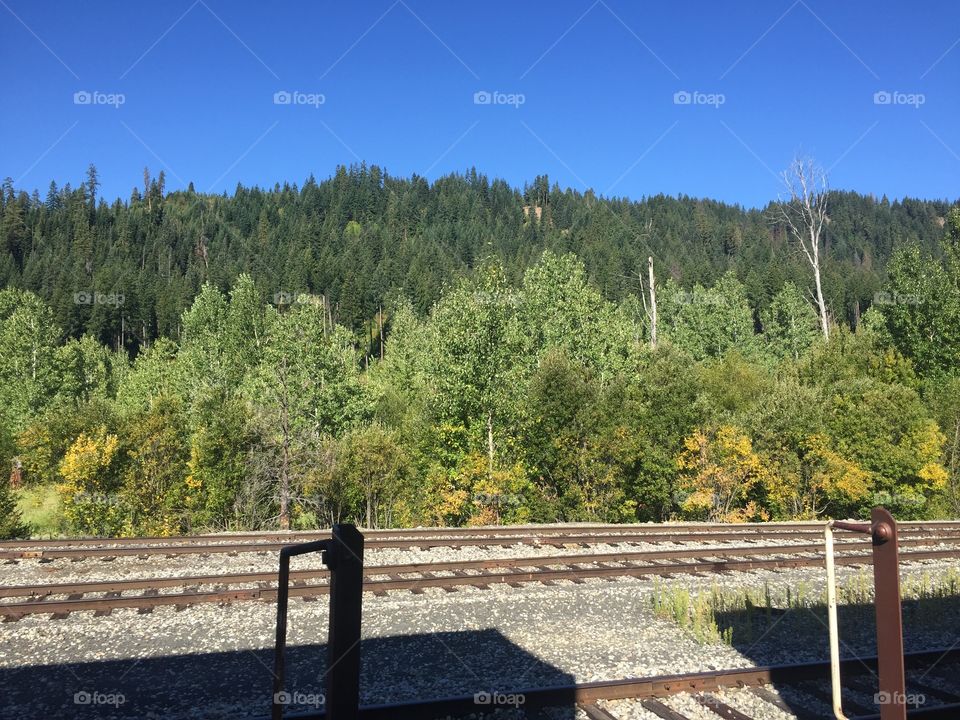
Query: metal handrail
column 343, row 554
column 886, row 578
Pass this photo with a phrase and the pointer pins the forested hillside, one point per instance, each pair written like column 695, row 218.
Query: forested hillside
column 362, row 238
column 398, row 352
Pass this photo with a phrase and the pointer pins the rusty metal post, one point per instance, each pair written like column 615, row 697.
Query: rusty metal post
column 345, row 559
column 886, row 579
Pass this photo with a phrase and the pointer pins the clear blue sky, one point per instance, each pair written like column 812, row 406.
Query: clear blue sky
column 398, row 80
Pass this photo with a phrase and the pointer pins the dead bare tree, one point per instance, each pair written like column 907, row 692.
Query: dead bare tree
column 651, row 309
column 805, row 214
column 652, row 312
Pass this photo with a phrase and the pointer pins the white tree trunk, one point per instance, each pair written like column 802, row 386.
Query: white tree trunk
column 653, row 305
column 805, row 214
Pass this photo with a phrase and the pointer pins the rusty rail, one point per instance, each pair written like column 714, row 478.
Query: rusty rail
column 85, row 548
column 651, row 688
column 385, row 578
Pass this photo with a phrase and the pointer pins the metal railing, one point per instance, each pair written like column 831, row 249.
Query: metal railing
column 343, row 554
column 886, row 580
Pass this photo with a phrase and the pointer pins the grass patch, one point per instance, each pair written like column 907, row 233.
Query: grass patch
column 40, row 507
column 723, row 615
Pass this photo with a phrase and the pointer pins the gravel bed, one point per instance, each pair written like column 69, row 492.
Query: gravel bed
column 214, row 662
column 627, row 710
column 749, row 704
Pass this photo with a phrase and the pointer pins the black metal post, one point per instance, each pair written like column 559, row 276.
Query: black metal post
column 345, row 559
column 283, row 591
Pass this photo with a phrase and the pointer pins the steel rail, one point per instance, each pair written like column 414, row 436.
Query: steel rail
column 542, row 573
column 47, row 589
column 465, row 532
column 554, row 540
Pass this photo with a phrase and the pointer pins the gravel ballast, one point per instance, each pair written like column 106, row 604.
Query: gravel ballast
column 210, row 661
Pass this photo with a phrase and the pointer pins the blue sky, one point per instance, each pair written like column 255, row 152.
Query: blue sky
column 705, row 99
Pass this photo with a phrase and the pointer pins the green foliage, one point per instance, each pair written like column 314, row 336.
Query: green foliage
column 217, row 464
column 153, row 482
column 887, row 431
column 922, row 306
column 28, row 356
column 708, row 322
column 11, row 518
column 790, row 324
column 377, row 469
column 391, row 351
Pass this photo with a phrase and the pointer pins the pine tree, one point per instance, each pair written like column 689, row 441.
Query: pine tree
column 11, row 522
column 93, row 183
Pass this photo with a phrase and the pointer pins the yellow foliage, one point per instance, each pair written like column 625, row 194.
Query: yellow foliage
column 88, row 457
column 35, row 450
column 719, row 470
column 90, row 502
column 472, row 495
column 823, row 477
column 932, row 474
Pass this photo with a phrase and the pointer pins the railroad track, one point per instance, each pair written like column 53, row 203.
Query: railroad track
column 61, row 599
column 715, row 691
column 110, row 548
column 467, row 532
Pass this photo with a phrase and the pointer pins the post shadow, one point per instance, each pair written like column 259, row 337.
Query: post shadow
column 482, row 664
column 775, row 636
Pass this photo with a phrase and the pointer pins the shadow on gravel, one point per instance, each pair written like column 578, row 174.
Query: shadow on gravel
column 483, row 664
column 771, row 635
